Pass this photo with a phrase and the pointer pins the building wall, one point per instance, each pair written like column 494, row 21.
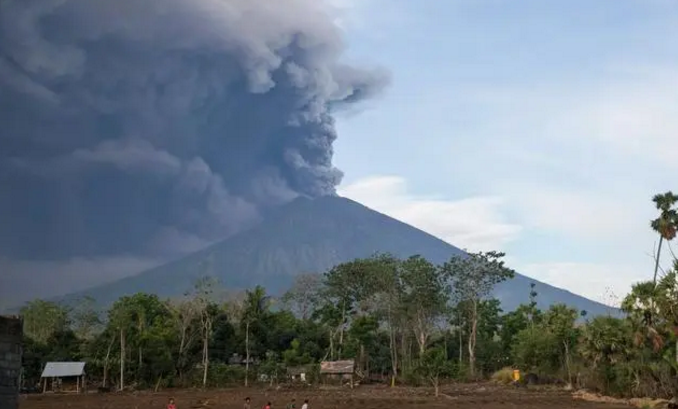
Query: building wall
column 11, row 333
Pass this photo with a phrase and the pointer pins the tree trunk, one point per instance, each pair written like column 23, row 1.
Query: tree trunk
column 654, row 278
column 205, row 358
column 394, row 354
column 472, row 340
column 141, row 335
column 420, row 333
column 461, row 346
column 567, row 362
column 106, row 360
column 247, row 352
column 122, row 359
column 656, row 262
column 341, row 329
column 403, row 350
column 180, row 358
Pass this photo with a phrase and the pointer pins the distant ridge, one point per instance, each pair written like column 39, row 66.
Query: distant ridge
column 312, row 235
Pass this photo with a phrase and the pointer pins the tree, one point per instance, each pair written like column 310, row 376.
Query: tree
column 666, row 299
column 135, row 321
column 42, row 319
column 605, row 341
column 347, row 286
column 433, row 366
column 641, row 307
column 254, row 310
column 424, row 297
column 203, row 291
column 535, row 349
column 304, row 295
column 666, row 224
column 363, row 331
column 472, row 278
column 388, row 296
column 185, row 312
column 119, row 317
column 86, row 320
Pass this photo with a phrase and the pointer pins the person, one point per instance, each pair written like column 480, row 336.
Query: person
column 305, row 405
column 171, row 404
column 292, row 404
column 247, row 403
column 268, row 406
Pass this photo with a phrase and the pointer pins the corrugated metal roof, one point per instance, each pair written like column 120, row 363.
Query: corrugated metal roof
column 337, row 367
column 63, row 369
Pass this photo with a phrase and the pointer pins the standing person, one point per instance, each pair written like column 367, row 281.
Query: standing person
column 305, row 405
column 268, row 406
column 171, row 404
column 292, row 404
column 247, row 403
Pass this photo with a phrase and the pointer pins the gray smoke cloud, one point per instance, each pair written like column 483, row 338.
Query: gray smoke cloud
column 149, row 128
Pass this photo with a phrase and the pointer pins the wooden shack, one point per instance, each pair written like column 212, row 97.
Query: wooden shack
column 299, row 373
column 64, row 377
column 337, row 370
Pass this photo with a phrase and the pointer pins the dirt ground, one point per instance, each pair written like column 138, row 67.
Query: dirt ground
column 363, row 397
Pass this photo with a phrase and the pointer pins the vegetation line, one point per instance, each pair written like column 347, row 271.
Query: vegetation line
column 400, row 321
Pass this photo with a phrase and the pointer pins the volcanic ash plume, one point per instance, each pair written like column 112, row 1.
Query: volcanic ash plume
column 152, row 127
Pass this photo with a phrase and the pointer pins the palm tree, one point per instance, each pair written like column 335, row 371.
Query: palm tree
column 641, row 306
column 666, row 296
column 605, row 341
column 666, row 224
column 255, row 306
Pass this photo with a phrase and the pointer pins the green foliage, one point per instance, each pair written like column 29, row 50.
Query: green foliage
column 503, row 376
column 42, row 319
column 536, row 350
column 435, row 366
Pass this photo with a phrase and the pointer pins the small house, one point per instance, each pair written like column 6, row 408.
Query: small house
column 64, row 376
column 299, row 373
column 337, row 370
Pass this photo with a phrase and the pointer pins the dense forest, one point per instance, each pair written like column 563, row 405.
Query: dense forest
column 403, row 321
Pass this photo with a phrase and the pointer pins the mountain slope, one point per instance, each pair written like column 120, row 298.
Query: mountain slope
column 312, row 236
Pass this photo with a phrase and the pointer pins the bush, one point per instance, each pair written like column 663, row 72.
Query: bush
column 503, row 376
column 411, row 378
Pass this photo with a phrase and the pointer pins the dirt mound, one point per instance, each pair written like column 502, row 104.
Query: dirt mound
column 643, row 403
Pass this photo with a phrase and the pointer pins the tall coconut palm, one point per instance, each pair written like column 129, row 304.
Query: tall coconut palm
column 256, row 304
column 666, row 225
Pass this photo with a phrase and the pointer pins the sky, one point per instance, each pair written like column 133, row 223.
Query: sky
column 541, row 129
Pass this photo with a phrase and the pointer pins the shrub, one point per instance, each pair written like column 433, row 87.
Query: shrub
column 503, row 376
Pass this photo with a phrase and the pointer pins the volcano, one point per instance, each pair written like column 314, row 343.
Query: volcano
column 311, row 236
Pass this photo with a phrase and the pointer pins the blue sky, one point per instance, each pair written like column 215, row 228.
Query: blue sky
column 538, row 128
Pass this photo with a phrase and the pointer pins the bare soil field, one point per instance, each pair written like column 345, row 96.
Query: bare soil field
column 476, row 396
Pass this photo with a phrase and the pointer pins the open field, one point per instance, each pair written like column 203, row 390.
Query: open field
column 455, row 396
